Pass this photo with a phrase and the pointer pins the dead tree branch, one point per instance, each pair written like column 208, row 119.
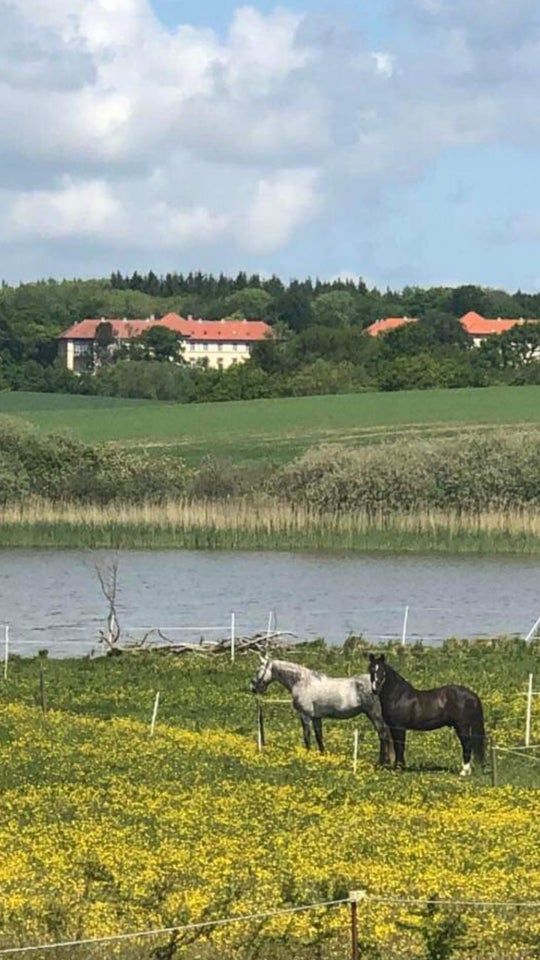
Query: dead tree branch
column 107, row 573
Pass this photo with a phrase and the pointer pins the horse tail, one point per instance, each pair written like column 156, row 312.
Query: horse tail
column 478, row 732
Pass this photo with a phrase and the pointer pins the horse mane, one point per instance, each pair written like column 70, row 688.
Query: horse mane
column 393, row 673
column 300, row 667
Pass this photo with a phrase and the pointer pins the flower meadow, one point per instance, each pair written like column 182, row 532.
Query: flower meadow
column 106, row 831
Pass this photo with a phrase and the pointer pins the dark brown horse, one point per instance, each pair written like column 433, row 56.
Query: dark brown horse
column 405, row 708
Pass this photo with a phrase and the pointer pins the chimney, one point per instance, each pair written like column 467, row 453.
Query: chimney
column 152, row 316
column 102, row 319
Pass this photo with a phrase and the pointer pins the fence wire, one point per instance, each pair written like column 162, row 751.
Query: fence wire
column 395, row 928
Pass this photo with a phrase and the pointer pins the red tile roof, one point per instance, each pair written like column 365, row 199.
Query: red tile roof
column 122, row 329
column 478, row 326
column 389, row 323
column 192, row 329
column 473, row 323
column 230, row 330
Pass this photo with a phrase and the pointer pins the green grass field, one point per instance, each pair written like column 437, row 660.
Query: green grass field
column 274, row 430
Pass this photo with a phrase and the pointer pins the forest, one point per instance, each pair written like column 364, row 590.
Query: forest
column 320, row 345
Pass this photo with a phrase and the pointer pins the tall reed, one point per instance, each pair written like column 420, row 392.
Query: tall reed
column 268, row 524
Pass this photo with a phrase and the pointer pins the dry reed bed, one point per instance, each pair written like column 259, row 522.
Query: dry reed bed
column 270, row 517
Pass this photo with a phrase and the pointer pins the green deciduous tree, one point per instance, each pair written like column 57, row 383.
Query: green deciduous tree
column 160, row 343
column 334, row 309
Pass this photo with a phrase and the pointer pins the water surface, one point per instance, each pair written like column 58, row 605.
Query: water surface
column 51, row 598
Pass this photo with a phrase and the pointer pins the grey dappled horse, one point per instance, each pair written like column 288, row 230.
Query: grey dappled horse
column 316, row 697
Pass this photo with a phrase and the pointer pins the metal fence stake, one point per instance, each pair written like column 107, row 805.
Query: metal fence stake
column 260, row 727
column 494, row 768
column 154, row 714
column 6, row 650
column 529, row 712
column 42, row 691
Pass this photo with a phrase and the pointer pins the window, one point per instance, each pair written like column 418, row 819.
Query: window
column 80, row 348
column 205, row 346
column 220, row 346
column 235, row 347
column 192, row 346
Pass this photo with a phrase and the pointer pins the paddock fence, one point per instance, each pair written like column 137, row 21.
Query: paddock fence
column 410, row 626
column 356, row 926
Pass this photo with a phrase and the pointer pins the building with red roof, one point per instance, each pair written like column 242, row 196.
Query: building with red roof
column 477, row 326
column 220, row 343
column 388, row 323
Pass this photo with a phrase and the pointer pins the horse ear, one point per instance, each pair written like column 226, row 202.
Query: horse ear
column 371, row 657
column 382, row 659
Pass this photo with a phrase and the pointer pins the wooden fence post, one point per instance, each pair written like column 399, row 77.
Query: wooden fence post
column 354, row 898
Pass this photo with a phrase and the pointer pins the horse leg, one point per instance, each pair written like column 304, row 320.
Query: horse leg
column 398, row 736
column 376, row 718
column 306, row 730
column 385, row 747
column 464, row 735
column 317, row 726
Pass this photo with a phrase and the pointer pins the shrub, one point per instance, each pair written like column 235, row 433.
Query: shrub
column 57, row 467
column 471, row 472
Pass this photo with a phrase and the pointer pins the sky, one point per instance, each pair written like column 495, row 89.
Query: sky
column 393, row 140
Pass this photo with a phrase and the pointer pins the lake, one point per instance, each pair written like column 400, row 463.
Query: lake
column 51, row 598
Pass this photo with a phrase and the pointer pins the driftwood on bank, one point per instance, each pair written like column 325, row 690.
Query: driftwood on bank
column 258, row 643
column 154, row 639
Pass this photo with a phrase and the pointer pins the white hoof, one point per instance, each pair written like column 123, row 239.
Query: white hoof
column 465, row 770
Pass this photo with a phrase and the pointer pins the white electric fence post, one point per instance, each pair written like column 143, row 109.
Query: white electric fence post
column 6, row 650
column 529, row 712
column 154, row 714
column 233, row 636
column 260, row 727
column 404, row 631
column 355, row 750
column 532, row 631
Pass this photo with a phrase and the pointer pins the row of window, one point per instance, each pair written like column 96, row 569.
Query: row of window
column 80, row 348
column 232, row 346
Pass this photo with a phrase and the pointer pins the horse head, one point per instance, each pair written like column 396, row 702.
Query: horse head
column 377, row 671
column 263, row 677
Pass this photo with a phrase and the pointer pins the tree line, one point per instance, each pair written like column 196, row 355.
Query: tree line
column 320, row 344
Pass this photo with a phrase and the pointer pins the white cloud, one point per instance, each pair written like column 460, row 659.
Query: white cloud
column 384, row 63
column 281, row 203
column 140, row 137
column 85, row 209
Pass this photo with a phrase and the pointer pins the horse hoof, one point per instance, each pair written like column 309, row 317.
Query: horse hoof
column 465, row 770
